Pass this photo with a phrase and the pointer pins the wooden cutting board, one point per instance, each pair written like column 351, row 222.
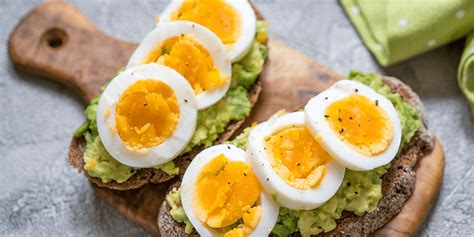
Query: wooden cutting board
column 56, row 41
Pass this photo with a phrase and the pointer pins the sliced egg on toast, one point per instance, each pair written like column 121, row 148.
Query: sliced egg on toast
column 146, row 115
column 193, row 51
column 291, row 165
column 233, row 21
column 222, row 197
column 360, row 128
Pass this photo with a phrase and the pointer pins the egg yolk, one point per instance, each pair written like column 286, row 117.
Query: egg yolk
column 250, row 221
column 216, row 15
column 190, row 59
column 146, row 114
column 236, row 232
column 227, row 191
column 297, row 157
column 361, row 123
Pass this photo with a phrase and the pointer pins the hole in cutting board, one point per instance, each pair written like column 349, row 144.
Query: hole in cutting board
column 55, row 38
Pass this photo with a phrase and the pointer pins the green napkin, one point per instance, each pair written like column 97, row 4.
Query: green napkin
column 395, row 30
column 466, row 71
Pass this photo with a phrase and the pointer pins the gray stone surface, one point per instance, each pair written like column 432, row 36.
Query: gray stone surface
column 42, row 195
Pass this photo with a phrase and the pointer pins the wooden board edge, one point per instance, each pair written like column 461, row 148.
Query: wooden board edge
column 122, row 207
column 418, row 206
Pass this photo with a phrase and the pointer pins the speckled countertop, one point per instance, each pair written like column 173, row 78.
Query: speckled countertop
column 42, row 195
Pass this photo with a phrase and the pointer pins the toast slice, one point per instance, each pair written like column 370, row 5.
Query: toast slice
column 150, row 175
column 397, row 184
column 147, row 175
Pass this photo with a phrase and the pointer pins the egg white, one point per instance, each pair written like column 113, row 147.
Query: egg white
column 248, row 20
column 174, row 144
column 270, row 210
column 319, row 127
column 203, row 36
column 287, row 195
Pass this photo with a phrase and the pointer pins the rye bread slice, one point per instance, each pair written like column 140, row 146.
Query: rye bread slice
column 144, row 176
column 397, row 184
column 147, row 175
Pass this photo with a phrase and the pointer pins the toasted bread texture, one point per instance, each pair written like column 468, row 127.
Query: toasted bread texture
column 397, row 184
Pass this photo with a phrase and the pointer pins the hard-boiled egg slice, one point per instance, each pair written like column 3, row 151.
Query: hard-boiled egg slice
column 193, row 51
column 291, row 165
column 222, row 197
column 146, row 115
column 356, row 125
column 233, row 21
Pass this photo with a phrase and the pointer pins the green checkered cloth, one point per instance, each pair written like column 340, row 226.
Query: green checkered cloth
column 395, row 30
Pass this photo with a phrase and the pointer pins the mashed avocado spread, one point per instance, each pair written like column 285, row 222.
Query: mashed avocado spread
column 360, row 191
column 211, row 121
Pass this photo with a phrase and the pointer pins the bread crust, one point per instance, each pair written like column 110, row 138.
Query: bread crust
column 166, row 224
column 397, row 184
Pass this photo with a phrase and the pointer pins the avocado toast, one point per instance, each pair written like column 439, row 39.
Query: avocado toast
column 337, row 217
column 215, row 124
column 147, row 175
